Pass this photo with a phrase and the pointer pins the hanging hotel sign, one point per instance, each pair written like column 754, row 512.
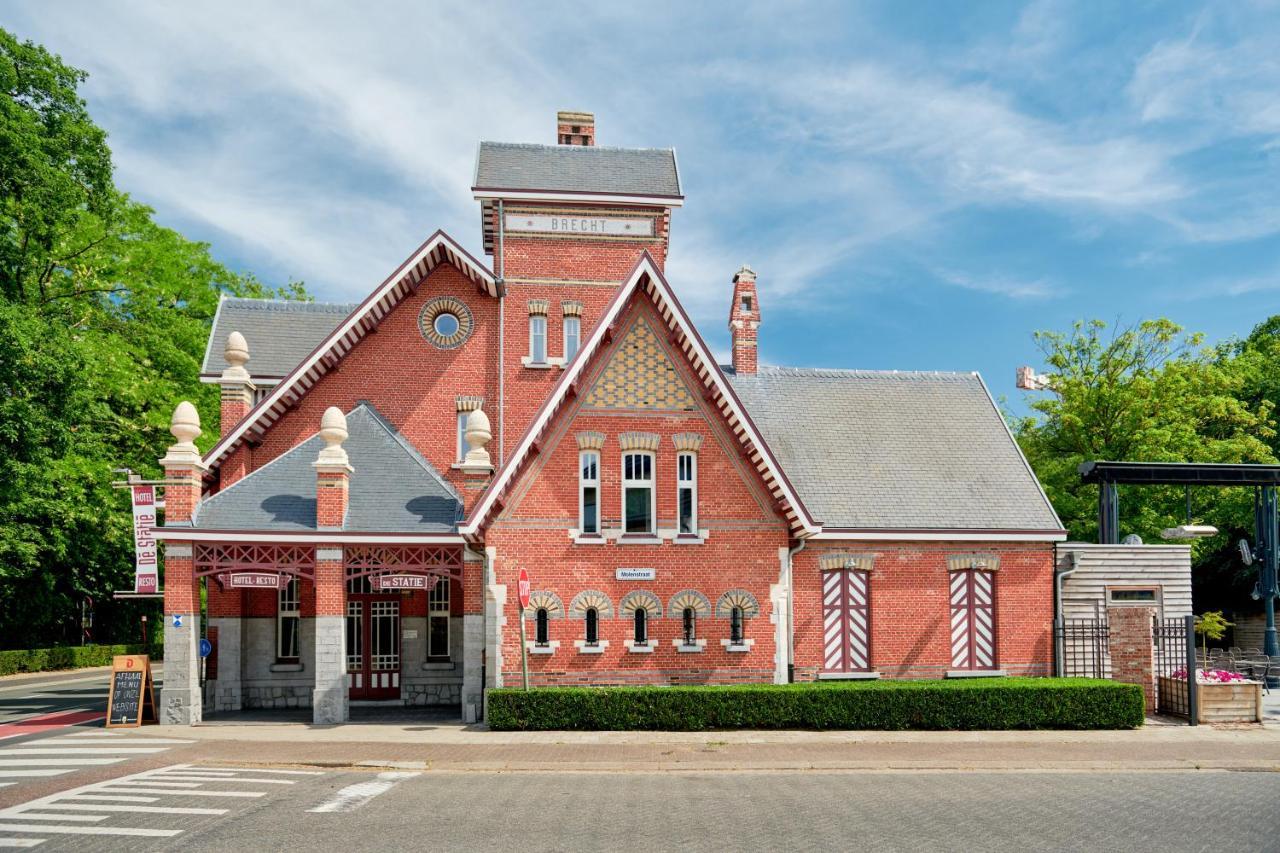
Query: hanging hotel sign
column 590, row 226
column 256, row 580
column 146, row 574
column 635, row 574
column 404, row 582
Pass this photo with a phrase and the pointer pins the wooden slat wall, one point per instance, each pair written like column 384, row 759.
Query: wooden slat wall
column 1084, row 593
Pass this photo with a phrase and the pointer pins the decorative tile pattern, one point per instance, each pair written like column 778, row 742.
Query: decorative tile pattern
column 587, row 599
column 640, row 376
column 544, row 599
column 640, row 599
column 445, row 305
column 689, row 598
column 737, row 598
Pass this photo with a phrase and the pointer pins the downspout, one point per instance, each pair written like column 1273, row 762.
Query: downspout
column 1058, row 624
column 791, row 625
column 502, row 336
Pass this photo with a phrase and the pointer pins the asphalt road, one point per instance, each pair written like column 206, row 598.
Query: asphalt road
column 349, row 810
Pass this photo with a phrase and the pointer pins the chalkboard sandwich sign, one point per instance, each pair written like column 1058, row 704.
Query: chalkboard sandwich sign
column 132, row 698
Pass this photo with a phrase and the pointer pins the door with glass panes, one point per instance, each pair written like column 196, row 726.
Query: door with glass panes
column 373, row 641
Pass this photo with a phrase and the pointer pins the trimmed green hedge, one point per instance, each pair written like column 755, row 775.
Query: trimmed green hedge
column 980, row 703
column 66, row 657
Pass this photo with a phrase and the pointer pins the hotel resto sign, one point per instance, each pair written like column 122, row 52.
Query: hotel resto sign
column 580, row 226
column 256, row 580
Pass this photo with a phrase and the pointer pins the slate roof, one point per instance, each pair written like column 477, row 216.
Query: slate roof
column 393, row 489
column 871, row 449
column 577, row 168
column 280, row 333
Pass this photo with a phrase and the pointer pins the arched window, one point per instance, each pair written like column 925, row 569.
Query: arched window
column 642, row 626
column 593, row 626
column 690, row 626
column 541, row 627
column 735, row 626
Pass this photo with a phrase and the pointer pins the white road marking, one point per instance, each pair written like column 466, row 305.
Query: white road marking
column 7, row 784
column 354, row 796
column 86, row 818
column 9, row 774
column 155, row 783
column 56, row 762
column 114, row 799
column 21, row 842
column 92, row 830
column 230, row 779
column 103, row 807
column 62, row 747
column 261, row 770
column 95, row 734
column 174, row 793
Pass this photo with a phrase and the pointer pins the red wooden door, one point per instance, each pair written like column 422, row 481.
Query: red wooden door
column 973, row 623
column 373, row 646
column 846, row 621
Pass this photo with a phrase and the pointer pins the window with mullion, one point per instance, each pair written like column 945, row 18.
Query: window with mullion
column 288, row 615
column 572, row 336
column 637, row 493
column 687, row 494
column 438, row 620
column 537, row 339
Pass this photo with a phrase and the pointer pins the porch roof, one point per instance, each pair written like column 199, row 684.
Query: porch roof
column 392, row 489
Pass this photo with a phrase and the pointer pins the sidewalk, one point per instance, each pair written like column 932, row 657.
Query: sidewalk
column 454, row 747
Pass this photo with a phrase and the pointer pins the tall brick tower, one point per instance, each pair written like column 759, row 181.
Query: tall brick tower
column 565, row 224
column 744, row 321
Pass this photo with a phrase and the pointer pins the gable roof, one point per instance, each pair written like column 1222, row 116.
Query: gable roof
column 439, row 248
column 392, row 489
column 280, row 333
column 648, row 280
column 577, row 169
column 896, row 450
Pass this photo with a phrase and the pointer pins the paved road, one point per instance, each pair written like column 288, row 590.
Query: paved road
column 194, row 807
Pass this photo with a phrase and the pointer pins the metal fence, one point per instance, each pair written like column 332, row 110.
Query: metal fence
column 1175, row 667
column 1084, row 648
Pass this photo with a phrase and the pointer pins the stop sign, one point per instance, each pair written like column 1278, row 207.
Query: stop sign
column 522, row 588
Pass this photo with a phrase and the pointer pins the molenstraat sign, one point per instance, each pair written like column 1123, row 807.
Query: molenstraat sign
column 635, row 574
column 597, row 226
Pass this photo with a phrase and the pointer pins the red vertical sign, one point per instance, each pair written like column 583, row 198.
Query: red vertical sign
column 146, row 573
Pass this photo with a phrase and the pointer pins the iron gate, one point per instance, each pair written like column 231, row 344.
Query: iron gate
column 1084, row 648
column 1175, row 667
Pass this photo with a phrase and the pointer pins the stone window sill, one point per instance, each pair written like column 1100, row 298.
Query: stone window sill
column 682, row 647
column 739, row 648
column 848, row 676
column 597, row 649
column 542, row 648
column 976, row 673
column 286, row 666
column 638, row 539
column 438, row 665
column 640, row 648
column 688, row 539
column 586, row 538
column 549, row 364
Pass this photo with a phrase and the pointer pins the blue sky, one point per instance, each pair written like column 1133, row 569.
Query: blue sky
column 919, row 186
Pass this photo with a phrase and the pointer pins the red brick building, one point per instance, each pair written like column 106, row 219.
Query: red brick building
column 386, row 469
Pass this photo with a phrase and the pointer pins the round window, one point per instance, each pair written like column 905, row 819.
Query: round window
column 445, row 324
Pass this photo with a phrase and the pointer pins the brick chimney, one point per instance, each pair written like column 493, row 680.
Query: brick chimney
column 744, row 321
column 575, row 128
column 237, row 387
column 333, row 471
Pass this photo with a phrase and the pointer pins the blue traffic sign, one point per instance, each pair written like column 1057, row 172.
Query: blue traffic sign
column 206, row 648
column 177, row 620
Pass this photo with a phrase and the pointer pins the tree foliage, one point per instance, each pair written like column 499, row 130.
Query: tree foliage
column 104, row 316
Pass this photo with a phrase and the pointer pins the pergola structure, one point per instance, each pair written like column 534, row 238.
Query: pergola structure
column 1263, row 478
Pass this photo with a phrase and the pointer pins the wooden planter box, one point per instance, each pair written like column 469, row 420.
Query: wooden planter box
column 1235, row 702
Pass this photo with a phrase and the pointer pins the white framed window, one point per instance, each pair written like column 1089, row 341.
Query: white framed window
column 589, row 492
column 637, row 493
column 438, row 620
column 572, row 337
column 288, row 618
column 1120, row 596
column 537, row 339
column 462, row 439
column 687, row 494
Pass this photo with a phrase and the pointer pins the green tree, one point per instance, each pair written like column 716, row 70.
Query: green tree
column 104, row 316
column 1149, row 392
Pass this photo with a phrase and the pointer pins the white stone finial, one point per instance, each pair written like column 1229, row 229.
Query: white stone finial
column 236, row 352
column 185, row 427
column 333, row 429
column 478, row 434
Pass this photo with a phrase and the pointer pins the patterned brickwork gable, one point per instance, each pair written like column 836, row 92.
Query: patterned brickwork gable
column 640, row 376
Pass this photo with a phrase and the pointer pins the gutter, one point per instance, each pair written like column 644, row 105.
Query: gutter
column 502, row 334
column 1058, row 624
column 791, row 634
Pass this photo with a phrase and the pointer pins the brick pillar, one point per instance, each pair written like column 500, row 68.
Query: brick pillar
column 329, row 703
column 180, row 699
column 575, row 128
column 1132, row 649
column 237, row 400
column 333, row 472
column 744, row 322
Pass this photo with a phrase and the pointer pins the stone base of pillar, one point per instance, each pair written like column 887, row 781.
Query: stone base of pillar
column 180, row 701
column 329, row 703
column 472, row 667
column 494, row 600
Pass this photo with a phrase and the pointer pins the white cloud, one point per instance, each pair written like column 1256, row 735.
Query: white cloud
column 1000, row 285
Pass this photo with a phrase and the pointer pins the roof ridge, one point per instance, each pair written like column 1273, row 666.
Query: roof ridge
column 858, row 371
column 263, row 302
column 542, row 146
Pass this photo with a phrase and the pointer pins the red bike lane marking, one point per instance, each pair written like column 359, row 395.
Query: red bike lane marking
column 45, row 722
